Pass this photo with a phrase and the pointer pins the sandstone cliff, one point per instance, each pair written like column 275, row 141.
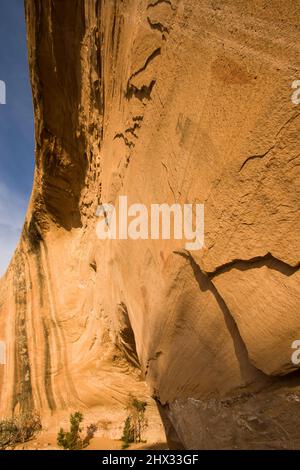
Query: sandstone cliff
column 163, row 101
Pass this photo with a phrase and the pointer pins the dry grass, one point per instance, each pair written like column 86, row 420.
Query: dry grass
column 18, row 429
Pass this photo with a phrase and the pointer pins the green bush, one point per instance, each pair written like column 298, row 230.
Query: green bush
column 128, row 433
column 71, row 440
column 18, row 429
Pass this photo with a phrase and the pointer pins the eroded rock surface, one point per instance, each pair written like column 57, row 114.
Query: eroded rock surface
column 162, row 101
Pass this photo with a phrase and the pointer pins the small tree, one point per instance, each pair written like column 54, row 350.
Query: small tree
column 139, row 420
column 72, row 440
column 128, row 434
column 136, row 421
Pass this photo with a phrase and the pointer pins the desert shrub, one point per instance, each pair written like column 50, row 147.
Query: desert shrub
column 72, row 440
column 128, row 434
column 135, row 423
column 18, row 429
column 90, row 432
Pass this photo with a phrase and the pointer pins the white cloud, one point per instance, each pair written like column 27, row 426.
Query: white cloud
column 12, row 215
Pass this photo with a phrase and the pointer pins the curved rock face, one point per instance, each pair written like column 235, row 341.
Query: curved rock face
column 164, row 102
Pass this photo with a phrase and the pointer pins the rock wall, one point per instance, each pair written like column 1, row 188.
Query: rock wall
column 164, row 102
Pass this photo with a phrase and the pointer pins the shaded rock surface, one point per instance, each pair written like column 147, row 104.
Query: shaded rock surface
column 162, row 101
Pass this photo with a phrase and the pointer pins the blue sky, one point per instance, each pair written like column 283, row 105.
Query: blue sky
column 16, row 128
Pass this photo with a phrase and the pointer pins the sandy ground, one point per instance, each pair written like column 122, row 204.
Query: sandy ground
column 47, row 441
